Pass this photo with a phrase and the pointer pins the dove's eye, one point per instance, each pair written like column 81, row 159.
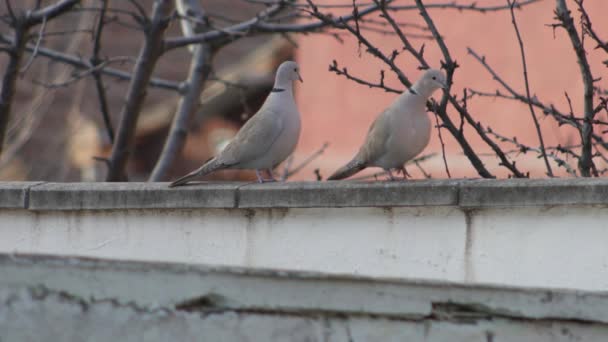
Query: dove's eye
column 434, row 78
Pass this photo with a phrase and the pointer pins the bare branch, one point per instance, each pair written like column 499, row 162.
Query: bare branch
column 79, row 63
column 344, row 72
column 565, row 20
column 588, row 28
column 129, row 115
column 200, row 67
column 258, row 25
column 51, row 11
column 521, row 148
column 21, row 25
column 9, row 81
column 36, row 47
column 525, row 71
column 96, row 61
column 450, row 65
column 467, row 7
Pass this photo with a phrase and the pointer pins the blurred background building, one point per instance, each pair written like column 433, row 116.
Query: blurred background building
column 55, row 132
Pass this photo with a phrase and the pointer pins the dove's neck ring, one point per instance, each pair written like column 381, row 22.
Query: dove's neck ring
column 282, row 85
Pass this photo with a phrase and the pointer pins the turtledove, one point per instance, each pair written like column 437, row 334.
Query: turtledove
column 267, row 138
column 400, row 132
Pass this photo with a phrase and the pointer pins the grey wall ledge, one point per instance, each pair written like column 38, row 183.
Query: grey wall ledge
column 464, row 193
column 170, row 286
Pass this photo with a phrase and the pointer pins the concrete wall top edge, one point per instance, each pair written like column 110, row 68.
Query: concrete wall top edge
column 465, row 193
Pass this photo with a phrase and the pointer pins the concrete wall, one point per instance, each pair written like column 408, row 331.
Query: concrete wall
column 82, row 300
column 541, row 233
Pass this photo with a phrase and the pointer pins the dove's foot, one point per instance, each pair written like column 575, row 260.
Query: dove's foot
column 265, row 180
column 401, row 170
column 390, row 176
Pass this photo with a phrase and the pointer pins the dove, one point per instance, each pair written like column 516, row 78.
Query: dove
column 267, row 138
column 400, row 132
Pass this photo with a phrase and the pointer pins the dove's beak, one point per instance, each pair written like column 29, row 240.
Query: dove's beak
column 300, row 78
column 444, row 85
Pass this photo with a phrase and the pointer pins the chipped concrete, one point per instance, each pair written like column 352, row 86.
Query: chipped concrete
column 512, row 232
column 69, row 299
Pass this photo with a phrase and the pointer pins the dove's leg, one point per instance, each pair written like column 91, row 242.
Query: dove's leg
column 260, row 179
column 404, row 172
column 271, row 175
column 390, row 175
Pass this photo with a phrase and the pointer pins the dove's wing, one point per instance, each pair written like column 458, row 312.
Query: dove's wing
column 375, row 145
column 254, row 139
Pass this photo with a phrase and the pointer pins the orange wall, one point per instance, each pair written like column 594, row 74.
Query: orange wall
column 340, row 111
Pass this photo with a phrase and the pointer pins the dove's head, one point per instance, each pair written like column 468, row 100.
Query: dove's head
column 430, row 81
column 288, row 72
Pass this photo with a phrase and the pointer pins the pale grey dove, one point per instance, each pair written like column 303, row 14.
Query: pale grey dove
column 267, row 138
column 400, row 132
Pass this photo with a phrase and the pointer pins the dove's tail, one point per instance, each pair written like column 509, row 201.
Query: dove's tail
column 210, row 166
column 348, row 170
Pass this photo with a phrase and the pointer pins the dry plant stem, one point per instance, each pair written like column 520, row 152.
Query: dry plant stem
column 96, row 61
column 200, row 67
column 527, row 84
column 136, row 94
column 585, row 163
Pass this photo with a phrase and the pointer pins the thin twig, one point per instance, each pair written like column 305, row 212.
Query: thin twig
column 524, row 148
column 36, row 47
column 307, row 161
column 527, row 84
column 344, row 72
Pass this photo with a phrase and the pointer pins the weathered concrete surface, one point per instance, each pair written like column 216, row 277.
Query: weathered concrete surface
column 103, row 196
column 424, row 243
column 54, row 299
column 14, row 195
column 485, row 193
column 349, row 194
column 465, row 193
column 511, row 232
